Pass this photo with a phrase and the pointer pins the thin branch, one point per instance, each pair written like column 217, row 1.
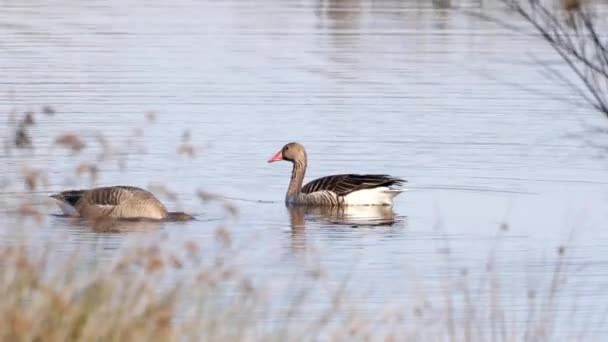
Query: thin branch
column 575, row 38
column 560, row 77
column 556, row 39
column 601, row 50
column 579, row 46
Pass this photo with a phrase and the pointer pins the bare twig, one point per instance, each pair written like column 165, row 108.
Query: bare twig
column 575, row 37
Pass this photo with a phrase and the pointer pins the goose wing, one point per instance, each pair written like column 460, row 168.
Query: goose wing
column 115, row 195
column 112, row 195
column 344, row 184
column 123, row 202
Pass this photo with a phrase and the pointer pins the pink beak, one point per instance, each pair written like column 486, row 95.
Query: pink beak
column 276, row 157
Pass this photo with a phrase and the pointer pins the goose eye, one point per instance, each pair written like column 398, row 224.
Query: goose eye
column 286, row 148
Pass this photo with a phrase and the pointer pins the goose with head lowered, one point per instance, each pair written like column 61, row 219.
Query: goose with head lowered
column 335, row 190
column 115, row 202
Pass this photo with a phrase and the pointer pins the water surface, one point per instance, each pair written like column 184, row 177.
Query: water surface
column 428, row 94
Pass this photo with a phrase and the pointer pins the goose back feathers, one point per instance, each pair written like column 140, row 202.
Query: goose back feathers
column 344, row 184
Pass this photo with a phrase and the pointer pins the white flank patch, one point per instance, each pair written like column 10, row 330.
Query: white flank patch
column 67, row 209
column 375, row 196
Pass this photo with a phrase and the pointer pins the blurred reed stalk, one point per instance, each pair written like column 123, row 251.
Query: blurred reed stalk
column 202, row 292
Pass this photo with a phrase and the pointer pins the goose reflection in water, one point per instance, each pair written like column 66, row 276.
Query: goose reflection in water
column 109, row 225
column 354, row 216
column 373, row 218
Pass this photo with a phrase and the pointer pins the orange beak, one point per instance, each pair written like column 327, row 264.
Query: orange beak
column 276, row 157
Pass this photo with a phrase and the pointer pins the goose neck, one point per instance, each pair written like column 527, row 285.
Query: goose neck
column 297, row 177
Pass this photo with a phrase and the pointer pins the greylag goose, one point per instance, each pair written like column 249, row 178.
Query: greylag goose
column 116, row 202
column 334, row 190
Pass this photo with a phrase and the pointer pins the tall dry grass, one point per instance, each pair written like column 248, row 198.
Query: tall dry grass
column 154, row 291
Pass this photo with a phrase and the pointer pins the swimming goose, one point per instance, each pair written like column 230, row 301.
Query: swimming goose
column 118, row 202
column 335, row 190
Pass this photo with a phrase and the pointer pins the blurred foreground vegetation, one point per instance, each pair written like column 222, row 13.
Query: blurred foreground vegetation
column 197, row 291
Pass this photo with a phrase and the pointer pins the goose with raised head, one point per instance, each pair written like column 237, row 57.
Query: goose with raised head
column 116, row 202
column 335, row 190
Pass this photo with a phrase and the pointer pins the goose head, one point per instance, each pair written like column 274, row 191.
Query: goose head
column 291, row 152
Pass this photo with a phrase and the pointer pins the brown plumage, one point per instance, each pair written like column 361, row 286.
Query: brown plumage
column 118, row 202
column 335, row 190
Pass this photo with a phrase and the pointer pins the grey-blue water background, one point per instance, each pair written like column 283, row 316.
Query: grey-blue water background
column 400, row 87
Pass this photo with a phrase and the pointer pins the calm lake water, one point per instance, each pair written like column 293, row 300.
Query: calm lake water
column 455, row 105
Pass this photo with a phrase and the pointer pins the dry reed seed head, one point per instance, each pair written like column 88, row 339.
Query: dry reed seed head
column 151, row 116
column 206, row 278
column 155, row 264
column 223, row 236
column 91, row 169
column 353, row 329
column 572, row 5
column 22, row 138
column 27, row 210
column 504, row 226
column 186, row 136
column 48, row 110
column 316, row 273
column 231, row 209
column 22, row 262
column 18, row 324
column 176, row 262
column 28, row 119
column 247, row 286
column 71, row 141
column 561, row 250
column 202, row 277
column 391, row 337
column 206, row 196
column 153, row 251
column 101, row 139
column 164, row 315
column 33, row 176
column 227, row 274
column 187, row 150
column 121, row 266
column 56, row 299
column 444, row 250
column 106, row 147
column 192, row 248
column 138, row 132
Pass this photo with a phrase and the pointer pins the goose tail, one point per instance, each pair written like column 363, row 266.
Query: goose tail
column 66, row 200
column 394, row 192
